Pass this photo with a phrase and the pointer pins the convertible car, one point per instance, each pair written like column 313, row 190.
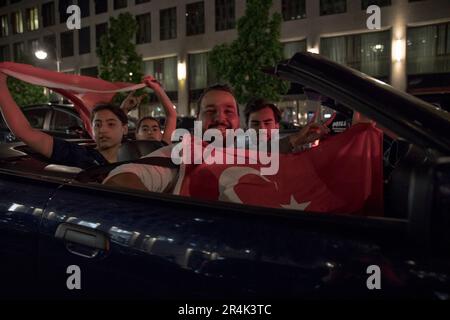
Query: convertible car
column 133, row 244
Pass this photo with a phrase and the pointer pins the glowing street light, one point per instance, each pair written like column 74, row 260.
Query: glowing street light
column 41, row 54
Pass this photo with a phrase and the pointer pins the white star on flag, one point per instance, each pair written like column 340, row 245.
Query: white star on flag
column 295, row 205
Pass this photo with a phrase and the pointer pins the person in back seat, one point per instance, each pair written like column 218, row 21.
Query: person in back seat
column 149, row 128
column 109, row 124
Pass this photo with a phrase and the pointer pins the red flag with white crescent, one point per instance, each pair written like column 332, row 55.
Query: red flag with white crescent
column 342, row 175
column 85, row 92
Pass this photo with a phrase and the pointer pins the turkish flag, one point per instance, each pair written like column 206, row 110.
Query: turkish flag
column 84, row 92
column 342, row 175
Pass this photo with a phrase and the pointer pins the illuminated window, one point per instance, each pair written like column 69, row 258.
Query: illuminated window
column 165, row 71
column 368, row 52
column 17, row 22
column 292, row 47
column 32, row 16
column 4, row 30
column 428, row 49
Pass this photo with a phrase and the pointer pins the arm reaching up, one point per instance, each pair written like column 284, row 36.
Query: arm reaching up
column 19, row 125
column 171, row 114
column 131, row 102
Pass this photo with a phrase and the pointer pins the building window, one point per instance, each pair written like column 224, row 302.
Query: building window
column 18, row 51
column 33, row 46
column 195, row 18
column 32, row 18
column 120, row 4
column 48, row 14
column 62, row 7
column 90, row 72
column 144, row 30
column 84, row 37
column 141, row 1
column 225, row 14
column 101, row 6
column 293, row 9
column 165, row 71
column 428, row 49
column 4, row 53
column 67, row 44
column 100, row 30
column 17, row 22
column 4, row 29
column 168, row 23
column 292, row 47
column 369, row 53
column 332, row 6
column 84, row 8
column 201, row 75
column 49, row 43
column 380, row 3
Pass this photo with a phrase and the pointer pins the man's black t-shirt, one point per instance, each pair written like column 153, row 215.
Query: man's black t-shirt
column 71, row 154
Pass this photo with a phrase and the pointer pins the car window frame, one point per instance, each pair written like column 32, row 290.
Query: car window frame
column 55, row 109
column 46, row 122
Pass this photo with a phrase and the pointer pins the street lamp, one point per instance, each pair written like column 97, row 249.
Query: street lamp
column 42, row 55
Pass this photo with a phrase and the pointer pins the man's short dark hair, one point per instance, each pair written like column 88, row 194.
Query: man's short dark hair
column 119, row 113
column 216, row 87
column 138, row 126
column 259, row 104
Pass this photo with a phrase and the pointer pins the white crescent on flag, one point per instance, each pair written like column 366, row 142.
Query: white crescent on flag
column 230, row 178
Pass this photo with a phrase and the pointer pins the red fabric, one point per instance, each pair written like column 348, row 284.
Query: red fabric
column 341, row 175
column 85, row 92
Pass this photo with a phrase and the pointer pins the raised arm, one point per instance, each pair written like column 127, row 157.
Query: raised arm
column 171, row 114
column 19, row 125
column 131, row 102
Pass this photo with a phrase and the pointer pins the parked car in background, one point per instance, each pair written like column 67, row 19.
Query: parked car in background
column 58, row 120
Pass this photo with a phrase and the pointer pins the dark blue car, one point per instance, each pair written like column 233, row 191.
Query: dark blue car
column 133, row 244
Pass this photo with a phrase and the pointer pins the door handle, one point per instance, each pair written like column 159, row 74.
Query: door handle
column 81, row 240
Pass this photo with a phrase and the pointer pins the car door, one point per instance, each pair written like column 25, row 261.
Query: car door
column 22, row 203
column 130, row 244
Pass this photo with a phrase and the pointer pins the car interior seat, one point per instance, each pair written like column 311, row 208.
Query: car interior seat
column 135, row 149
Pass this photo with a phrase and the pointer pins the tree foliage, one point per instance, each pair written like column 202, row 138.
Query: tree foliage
column 117, row 54
column 256, row 47
column 24, row 93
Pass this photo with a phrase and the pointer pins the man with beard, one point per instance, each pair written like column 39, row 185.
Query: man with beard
column 109, row 124
column 217, row 108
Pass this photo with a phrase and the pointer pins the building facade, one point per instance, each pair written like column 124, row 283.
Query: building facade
column 175, row 36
